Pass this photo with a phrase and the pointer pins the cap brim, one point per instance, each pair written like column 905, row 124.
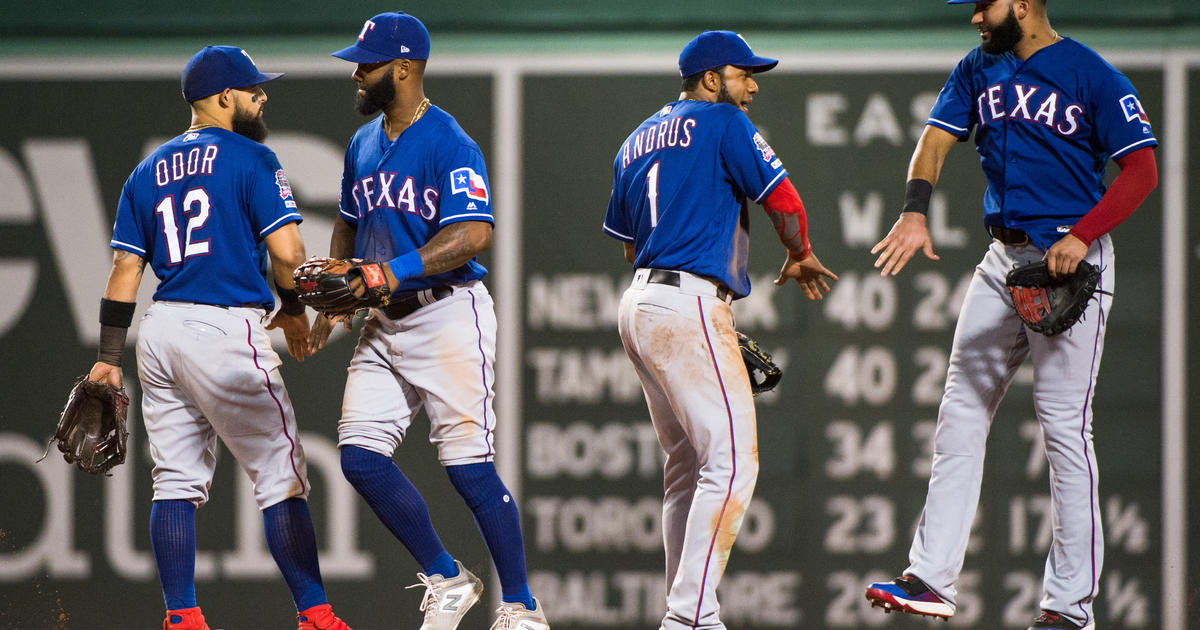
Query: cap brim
column 358, row 54
column 759, row 64
column 263, row 77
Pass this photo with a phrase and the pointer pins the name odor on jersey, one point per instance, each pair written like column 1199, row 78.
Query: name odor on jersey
column 181, row 164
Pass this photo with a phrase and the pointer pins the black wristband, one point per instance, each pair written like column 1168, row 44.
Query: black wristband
column 114, row 313
column 916, row 196
column 289, row 301
column 112, row 344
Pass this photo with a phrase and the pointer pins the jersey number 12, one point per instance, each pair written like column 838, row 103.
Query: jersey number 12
column 196, row 200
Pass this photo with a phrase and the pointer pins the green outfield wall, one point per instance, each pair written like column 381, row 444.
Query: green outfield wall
column 173, row 17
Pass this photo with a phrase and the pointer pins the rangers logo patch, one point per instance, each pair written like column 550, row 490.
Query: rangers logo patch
column 285, row 189
column 1133, row 109
column 466, row 180
column 765, row 149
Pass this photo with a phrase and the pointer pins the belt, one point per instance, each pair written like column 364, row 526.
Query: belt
column 672, row 277
column 266, row 307
column 405, row 304
column 1008, row 236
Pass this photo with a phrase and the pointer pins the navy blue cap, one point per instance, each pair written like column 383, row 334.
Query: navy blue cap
column 388, row 36
column 712, row 49
column 216, row 68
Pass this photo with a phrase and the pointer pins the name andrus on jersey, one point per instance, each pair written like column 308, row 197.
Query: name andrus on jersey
column 676, row 132
column 381, row 191
column 180, row 164
column 991, row 108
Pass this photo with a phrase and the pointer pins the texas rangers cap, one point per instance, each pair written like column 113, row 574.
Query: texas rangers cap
column 388, row 36
column 216, row 68
column 712, row 49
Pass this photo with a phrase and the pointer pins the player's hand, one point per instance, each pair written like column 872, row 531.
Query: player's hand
column 106, row 373
column 323, row 326
column 809, row 273
column 295, row 331
column 909, row 234
column 1063, row 257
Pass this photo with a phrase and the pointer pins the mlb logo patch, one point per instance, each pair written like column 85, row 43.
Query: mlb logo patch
column 285, row 189
column 466, row 180
column 765, row 149
column 1133, row 109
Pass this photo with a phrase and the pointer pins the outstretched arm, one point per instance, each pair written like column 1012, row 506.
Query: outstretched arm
column 786, row 211
column 911, row 232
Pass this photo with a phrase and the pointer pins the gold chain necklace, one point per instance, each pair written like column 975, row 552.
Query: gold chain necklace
column 420, row 111
column 199, row 127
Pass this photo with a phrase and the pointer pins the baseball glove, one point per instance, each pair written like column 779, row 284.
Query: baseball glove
column 91, row 432
column 1051, row 305
column 329, row 285
column 764, row 374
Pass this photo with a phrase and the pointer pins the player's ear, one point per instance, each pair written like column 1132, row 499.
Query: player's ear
column 401, row 68
column 711, row 80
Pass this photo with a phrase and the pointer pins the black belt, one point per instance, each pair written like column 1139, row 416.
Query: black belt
column 403, row 305
column 1008, row 236
column 670, row 277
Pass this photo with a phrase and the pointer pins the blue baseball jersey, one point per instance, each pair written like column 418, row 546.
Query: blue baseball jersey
column 680, row 186
column 1045, row 128
column 398, row 194
column 198, row 208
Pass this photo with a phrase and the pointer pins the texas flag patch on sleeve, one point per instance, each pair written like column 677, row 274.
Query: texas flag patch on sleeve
column 466, row 180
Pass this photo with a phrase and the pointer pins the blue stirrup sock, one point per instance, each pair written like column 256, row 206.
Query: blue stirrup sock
column 293, row 543
column 399, row 506
column 500, row 523
column 173, row 539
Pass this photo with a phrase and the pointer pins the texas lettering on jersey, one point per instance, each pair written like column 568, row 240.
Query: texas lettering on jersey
column 382, row 190
column 1033, row 104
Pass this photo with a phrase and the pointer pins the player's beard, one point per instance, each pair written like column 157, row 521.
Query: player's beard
column 724, row 97
column 376, row 97
column 1004, row 36
column 250, row 125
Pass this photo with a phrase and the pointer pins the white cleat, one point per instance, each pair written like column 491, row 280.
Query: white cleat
column 447, row 600
column 515, row 616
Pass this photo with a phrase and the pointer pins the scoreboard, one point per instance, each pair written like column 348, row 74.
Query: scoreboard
column 844, row 441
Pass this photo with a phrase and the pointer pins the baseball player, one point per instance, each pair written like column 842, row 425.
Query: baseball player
column 1047, row 113
column 415, row 196
column 681, row 182
column 200, row 210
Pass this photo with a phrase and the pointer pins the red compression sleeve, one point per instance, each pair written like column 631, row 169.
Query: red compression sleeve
column 1139, row 175
column 786, row 210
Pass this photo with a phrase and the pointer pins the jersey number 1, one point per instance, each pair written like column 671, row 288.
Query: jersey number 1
column 652, row 192
column 196, row 200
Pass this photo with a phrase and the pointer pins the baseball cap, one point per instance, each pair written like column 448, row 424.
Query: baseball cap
column 388, row 36
column 216, row 68
column 712, row 49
